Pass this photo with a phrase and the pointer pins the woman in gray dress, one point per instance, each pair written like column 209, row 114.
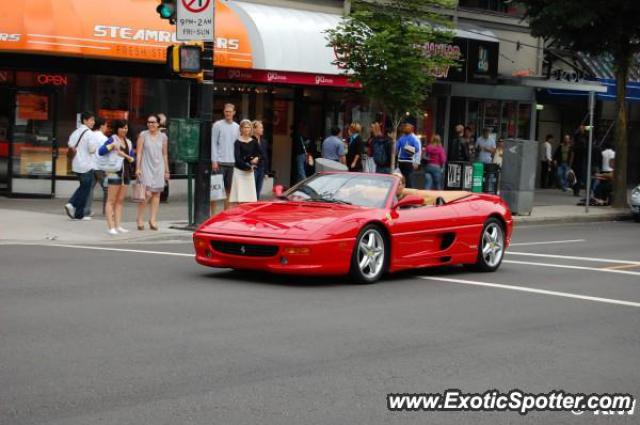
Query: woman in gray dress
column 152, row 169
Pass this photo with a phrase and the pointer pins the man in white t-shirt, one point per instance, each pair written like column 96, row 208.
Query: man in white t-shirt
column 486, row 146
column 224, row 134
column 82, row 164
column 608, row 155
column 546, row 161
column 97, row 139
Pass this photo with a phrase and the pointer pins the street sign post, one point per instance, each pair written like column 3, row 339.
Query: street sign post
column 195, row 20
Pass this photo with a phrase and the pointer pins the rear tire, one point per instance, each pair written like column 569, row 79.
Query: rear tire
column 370, row 257
column 491, row 246
column 636, row 217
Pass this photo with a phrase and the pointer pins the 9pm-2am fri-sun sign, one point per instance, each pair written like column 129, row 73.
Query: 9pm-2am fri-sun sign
column 195, row 20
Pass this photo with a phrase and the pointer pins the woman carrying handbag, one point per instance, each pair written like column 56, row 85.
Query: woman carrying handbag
column 248, row 156
column 152, row 169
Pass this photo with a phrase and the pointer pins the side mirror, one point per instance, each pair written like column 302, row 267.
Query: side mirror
column 278, row 191
column 410, row 201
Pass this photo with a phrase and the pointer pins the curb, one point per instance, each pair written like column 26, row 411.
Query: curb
column 586, row 218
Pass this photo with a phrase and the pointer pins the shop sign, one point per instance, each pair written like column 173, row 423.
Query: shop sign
column 572, row 76
column 6, row 77
column 449, row 51
column 482, row 61
column 277, row 77
column 113, row 114
column 52, row 80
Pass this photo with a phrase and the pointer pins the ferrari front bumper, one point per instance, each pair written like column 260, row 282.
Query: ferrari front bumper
column 283, row 256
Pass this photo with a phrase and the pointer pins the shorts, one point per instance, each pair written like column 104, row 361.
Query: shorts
column 114, row 179
column 227, row 175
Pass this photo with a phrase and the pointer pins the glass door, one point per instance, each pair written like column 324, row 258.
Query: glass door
column 33, row 145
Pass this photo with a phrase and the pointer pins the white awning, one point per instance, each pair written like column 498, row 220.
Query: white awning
column 590, row 86
column 286, row 39
column 475, row 33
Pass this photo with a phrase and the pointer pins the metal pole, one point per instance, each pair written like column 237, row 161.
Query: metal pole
column 190, row 192
column 592, row 102
column 203, row 171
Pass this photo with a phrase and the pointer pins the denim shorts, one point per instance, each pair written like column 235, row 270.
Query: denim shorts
column 116, row 180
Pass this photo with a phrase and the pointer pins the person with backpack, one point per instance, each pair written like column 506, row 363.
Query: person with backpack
column 408, row 153
column 333, row 147
column 80, row 150
column 116, row 158
column 381, row 146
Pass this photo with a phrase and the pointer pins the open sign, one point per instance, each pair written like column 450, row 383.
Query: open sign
column 52, row 80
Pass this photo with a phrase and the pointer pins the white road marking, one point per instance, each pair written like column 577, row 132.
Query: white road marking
column 569, row 257
column 548, row 242
column 100, row 248
column 535, row 291
column 564, row 266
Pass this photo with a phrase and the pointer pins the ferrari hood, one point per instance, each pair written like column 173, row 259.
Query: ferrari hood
column 292, row 220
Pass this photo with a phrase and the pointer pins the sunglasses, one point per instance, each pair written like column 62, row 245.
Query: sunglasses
column 152, row 122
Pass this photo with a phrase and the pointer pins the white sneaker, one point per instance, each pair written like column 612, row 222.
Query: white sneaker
column 112, row 232
column 122, row 230
column 86, row 218
column 71, row 211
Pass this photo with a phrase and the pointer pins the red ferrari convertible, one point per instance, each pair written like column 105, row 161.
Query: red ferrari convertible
column 359, row 224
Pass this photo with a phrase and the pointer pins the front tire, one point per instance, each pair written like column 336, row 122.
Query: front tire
column 370, row 255
column 491, row 246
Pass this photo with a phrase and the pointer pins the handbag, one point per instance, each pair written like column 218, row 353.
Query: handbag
column 216, row 191
column 424, row 159
column 138, row 193
column 72, row 151
column 409, row 150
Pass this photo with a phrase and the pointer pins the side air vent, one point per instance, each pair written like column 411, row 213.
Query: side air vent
column 445, row 259
column 447, row 241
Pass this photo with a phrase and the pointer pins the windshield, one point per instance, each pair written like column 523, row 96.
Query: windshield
column 364, row 190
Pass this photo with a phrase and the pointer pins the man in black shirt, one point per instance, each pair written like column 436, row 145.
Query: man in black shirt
column 458, row 148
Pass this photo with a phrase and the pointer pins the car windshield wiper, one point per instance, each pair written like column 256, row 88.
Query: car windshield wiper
column 332, row 201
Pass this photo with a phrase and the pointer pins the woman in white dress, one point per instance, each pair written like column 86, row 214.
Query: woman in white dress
column 152, row 169
column 247, row 157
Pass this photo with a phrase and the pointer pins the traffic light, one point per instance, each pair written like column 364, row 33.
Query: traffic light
column 185, row 60
column 167, row 10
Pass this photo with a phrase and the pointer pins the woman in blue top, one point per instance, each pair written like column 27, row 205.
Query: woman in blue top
column 115, row 158
column 408, row 150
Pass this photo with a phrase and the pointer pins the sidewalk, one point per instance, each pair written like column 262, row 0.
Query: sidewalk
column 42, row 220
column 555, row 206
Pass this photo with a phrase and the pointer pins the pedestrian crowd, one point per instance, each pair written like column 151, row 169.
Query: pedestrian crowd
column 103, row 155
column 567, row 166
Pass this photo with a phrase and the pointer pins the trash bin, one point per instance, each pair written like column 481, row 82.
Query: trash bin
column 491, row 179
column 478, row 177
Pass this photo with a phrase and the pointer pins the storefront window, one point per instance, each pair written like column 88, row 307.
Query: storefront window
column 508, row 121
column 524, row 120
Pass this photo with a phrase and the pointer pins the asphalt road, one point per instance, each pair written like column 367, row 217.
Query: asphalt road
column 119, row 337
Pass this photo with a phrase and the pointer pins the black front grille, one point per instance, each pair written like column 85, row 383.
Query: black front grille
column 245, row 250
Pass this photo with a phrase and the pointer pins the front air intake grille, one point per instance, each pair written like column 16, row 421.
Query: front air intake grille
column 245, row 250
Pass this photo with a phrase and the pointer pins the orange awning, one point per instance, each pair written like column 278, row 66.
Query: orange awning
column 114, row 29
